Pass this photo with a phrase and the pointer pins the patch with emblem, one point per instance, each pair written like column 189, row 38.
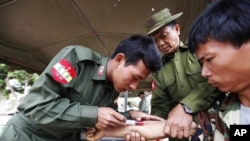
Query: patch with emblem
column 63, row 71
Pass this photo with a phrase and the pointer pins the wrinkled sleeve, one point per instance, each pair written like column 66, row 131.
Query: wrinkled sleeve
column 200, row 97
column 160, row 102
column 202, row 94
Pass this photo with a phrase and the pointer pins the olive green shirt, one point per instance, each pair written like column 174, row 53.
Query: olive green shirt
column 67, row 95
column 180, row 81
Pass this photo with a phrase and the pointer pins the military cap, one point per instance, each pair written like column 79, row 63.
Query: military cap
column 160, row 19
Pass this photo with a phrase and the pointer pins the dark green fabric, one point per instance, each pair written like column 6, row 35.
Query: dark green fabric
column 180, row 81
column 60, row 110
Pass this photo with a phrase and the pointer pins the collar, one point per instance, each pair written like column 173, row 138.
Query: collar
column 101, row 72
column 182, row 47
column 228, row 101
column 230, row 109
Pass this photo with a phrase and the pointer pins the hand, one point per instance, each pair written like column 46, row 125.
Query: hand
column 178, row 123
column 139, row 116
column 108, row 117
column 92, row 134
column 134, row 136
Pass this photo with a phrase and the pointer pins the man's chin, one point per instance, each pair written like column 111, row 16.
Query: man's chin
column 223, row 89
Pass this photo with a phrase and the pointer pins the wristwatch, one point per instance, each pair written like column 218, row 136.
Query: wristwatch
column 187, row 109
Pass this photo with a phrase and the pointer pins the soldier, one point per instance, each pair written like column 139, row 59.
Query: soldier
column 220, row 37
column 77, row 89
column 180, row 90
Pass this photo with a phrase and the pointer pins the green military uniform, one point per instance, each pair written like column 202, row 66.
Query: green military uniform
column 65, row 98
column 180, row 81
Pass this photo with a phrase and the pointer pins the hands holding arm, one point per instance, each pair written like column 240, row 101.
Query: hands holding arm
column 153, row 127
column 139, row 116
column 178, row 123
column 108, row 117
column 150, row 130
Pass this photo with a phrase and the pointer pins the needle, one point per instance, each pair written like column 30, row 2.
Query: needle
column 134, row 122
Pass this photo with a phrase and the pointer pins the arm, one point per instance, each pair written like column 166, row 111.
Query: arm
column 147, row 131
column 160, row 102
column 198, row 98
column 201, row 97
column 56, row 105
column 50, row 94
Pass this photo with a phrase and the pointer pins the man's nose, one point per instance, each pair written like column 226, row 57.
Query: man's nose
column 205, row 72
column 160, row 42
column 133, row 85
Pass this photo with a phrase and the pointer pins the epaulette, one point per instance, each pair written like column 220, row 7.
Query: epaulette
column 84, row 53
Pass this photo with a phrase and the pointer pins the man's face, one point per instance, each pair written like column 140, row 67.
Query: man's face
column 167, row 38
column 225, row 67
column 128, row 77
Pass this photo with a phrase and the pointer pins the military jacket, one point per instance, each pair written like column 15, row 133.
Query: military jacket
column 229, row 113
column 67, row 94
column 180, row 81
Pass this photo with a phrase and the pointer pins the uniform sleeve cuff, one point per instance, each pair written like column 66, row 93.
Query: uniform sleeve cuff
column 89, row 114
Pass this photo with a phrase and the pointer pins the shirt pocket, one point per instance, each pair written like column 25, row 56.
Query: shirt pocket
column 193, row 71
column 166, row 79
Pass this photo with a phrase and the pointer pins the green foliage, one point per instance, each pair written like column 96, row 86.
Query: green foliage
column 17, row 80
column 2, row 84
column 3, row 71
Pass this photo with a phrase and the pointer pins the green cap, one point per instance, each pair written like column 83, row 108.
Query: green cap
column 160, row 19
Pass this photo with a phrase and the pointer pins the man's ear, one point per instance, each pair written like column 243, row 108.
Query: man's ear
column 178, row 29
column 119, row 58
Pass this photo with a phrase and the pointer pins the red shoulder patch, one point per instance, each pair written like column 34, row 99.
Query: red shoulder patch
column 63, row 71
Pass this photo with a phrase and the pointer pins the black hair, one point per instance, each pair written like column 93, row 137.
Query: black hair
column 139, row 47
column 224, row 21
column 141, row 93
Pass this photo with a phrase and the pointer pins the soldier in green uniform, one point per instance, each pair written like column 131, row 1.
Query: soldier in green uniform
column 180, row 91
column 77, row 89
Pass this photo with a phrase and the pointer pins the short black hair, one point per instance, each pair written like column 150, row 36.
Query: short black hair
column 224, row 21
column 140, row 93
column 140, row 47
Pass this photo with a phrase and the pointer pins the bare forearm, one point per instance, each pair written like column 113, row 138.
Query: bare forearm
column 150, row 130
column 147, row 130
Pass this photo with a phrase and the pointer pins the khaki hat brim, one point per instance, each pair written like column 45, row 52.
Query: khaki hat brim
column 164, row 22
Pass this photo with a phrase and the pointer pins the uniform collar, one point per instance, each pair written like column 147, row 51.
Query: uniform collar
column 101, row 72
column 182, row 47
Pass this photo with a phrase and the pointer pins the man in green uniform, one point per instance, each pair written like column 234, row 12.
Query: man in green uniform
column 180, row 91
column 220, row 37
column 77, row 88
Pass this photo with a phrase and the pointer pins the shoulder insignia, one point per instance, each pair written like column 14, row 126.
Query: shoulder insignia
column 63, row 71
